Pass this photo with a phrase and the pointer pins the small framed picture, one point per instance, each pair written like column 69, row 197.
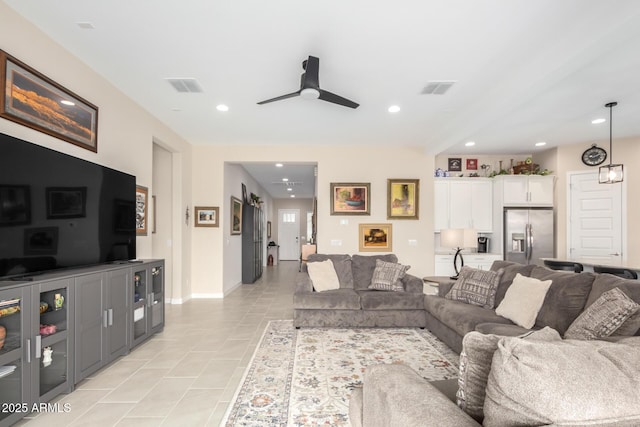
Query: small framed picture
column 350, row 199
column 236, row 216
column 142, row 196
column 206, row 216
column 455, row 164
column 403, row 198
column 472, row 164
column 375, row 238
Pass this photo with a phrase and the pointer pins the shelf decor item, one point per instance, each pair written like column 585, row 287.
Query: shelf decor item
column 454, row 164
column 206, row 216
column 350, row 198
column 403, row 197
column 142, row 195
column 375, row 237
column 36, row 101
column 458, row 239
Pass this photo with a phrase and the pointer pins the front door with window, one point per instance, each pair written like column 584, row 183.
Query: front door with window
column 289, row 234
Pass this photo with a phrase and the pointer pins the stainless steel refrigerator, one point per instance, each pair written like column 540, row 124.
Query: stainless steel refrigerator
column 528, row 235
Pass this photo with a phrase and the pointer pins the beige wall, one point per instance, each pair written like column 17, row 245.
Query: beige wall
column 335, row 164
column 125, row 131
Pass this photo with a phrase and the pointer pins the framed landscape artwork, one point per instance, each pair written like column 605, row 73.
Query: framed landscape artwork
column 375, row 238
column 35, row 101
column 350, row 199
column 236, row 216
column 206, row 216
column 403, row 198
column 142, row 196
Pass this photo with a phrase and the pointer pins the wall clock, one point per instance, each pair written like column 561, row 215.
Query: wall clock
column 594, row 156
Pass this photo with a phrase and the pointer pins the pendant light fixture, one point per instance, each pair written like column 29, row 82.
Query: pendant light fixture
column 610, row 174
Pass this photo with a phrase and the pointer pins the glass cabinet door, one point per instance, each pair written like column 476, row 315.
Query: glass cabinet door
column 139, row 303
column 14, row 353
column 52, row 303
column 157, row 296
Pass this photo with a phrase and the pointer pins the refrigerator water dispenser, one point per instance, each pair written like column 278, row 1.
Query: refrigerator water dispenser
column 517, row 244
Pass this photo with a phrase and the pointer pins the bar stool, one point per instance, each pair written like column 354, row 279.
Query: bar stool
column 620, row 272
column 576, row 267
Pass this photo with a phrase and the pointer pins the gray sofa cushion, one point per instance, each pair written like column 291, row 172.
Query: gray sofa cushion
column 565, row 299
column 459, row 316
column 387, row 276
column 606, row 282
column 339, row 299
column 342, row 264
column 510, row 270
column 375, row 300
column 363, row 267
column 477, row 287
column 586, row 383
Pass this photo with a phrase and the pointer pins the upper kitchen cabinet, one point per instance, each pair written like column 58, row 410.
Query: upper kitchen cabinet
column 463, row 203
column 525, row 190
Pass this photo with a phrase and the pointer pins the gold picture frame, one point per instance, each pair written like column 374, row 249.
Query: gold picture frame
column 350, row 198
column 236, row 216
column 403, row 198
column 375, row 237
column 142, row 201
column 206, row 216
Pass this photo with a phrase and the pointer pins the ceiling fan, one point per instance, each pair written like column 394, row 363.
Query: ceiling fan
column 310, row 87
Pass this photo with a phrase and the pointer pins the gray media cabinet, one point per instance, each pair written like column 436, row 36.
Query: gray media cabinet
column 63, row 326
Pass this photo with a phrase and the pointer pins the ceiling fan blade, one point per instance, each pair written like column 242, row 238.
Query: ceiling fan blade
column 336, row 99
column 279, row 98
column 310, row 77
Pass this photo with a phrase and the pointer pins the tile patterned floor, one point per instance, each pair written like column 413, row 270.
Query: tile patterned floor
column 186, row 375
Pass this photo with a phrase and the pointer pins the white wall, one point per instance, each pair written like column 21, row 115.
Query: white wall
column 217, row 252
column 125, row 131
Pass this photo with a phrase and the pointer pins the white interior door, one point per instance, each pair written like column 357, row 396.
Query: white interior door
column 289, row 233
column 595, row 219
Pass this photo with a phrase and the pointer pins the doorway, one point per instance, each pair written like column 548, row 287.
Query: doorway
column 595, row 219
column 289, row 234
column 161, row 224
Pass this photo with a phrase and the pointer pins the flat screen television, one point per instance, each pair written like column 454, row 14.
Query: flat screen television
column 58, row 211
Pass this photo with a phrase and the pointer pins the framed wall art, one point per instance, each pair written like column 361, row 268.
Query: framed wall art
column 375, row 238
column 36, row 101
column 142, row 196
column 454, row 164
column 472, row 164
column 403, row 198
column 236, row 216
column 206, row 216
column 350, row 199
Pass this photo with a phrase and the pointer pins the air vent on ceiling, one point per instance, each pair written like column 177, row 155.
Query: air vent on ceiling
column 288, row 183
column 437, row 87
column 185, row 85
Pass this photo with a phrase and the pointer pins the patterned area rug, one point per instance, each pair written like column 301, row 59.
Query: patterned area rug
column 304, row 377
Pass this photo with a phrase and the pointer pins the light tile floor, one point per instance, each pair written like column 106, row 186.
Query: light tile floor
column 187, row 375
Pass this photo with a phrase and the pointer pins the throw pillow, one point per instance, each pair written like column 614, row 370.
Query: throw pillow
column 387, row 275
column 523, row 300
column 475, row 365
column 566, row 382
column 323, row 275
column 477, row 287
column 603, row 317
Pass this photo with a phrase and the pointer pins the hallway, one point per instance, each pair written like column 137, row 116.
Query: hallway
column 187, row 375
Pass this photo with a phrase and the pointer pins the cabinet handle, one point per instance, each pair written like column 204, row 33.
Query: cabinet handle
column 38, row 346
column 28, row 351
column 104, row 319
column 110, row 316
column 150, row 300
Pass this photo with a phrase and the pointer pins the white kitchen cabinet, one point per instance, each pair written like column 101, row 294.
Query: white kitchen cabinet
column 526, row 190
column 463, row 203
column 444, row 263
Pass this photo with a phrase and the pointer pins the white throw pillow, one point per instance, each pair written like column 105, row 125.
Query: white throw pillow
column 323, row 275
column 523, row 300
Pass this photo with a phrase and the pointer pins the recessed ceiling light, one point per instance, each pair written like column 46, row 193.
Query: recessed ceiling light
column 222, row 107
column 393, row 109
column 279, row 165
column 540, row 144
column 598, row 121
column 65, row 102
column 469, row 144
column 285, row 179
column 293, row 195
column 289, row 189
column 85, row 25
